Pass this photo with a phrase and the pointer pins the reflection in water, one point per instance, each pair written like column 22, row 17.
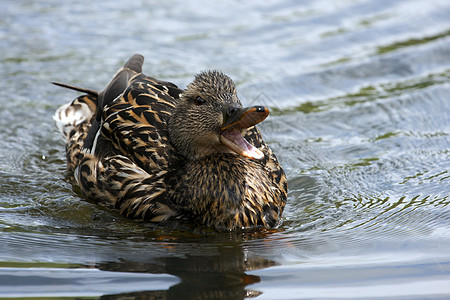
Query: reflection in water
column 207, row 266
column 222, row 275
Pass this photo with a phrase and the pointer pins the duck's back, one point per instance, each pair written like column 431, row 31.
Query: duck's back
column 117, row 142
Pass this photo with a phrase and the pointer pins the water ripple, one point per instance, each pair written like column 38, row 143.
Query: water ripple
column 359, row 120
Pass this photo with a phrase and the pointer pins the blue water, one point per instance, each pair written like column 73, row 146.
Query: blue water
column 360, row 120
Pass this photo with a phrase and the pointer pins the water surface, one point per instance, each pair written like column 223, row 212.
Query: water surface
column 359, row 95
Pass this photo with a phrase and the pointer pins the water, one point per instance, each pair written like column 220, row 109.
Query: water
column 360, row 121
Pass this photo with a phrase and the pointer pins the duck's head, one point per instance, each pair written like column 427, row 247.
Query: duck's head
column 210, row 119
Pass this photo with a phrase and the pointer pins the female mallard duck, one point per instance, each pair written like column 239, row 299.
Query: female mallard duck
column 159, row 153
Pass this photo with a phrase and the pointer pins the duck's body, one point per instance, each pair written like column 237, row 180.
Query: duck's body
column 157, row 152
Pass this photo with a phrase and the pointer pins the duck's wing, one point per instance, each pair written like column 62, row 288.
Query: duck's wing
column 135, row 124
column 78, row 121
column 117, row 145
column 131, row 153
column 120, row 81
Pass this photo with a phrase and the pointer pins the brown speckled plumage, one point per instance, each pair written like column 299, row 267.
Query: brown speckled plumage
column 157, row 153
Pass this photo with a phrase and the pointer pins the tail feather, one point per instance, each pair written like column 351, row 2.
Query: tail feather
column 134, row 63
column 77, row 88
column 85, row 107
column 70, row 115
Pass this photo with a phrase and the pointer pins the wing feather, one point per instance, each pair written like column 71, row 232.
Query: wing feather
column 136, row 123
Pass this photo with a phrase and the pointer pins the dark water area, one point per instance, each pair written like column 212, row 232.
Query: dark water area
column 360, row 121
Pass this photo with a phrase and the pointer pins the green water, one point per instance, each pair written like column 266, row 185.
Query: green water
column 359, row 95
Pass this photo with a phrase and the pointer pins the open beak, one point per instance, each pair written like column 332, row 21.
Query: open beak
column 238, row 119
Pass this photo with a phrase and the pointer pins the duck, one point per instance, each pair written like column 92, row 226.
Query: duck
column 158, row 153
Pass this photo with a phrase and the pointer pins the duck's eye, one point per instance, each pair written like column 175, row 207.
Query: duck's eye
column 199, row 101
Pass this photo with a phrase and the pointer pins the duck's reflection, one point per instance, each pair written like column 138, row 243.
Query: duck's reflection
column 212, row 273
